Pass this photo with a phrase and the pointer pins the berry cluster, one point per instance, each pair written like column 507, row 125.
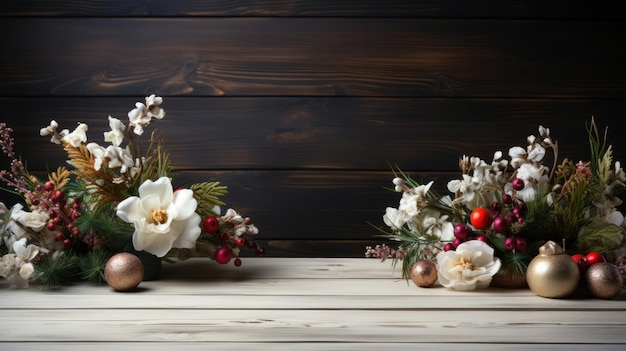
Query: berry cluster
column 63, row 212
column 231, row 236
column 505, row 218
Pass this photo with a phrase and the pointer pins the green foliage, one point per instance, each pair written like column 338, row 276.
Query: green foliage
column 106, row 228
column 208, row 195
column 92, row 266
column 602, row 237
column 54, row 270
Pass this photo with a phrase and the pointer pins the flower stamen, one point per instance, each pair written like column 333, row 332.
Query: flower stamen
column 465, row 263
column 158, row 216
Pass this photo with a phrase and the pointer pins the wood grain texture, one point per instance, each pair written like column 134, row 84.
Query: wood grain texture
column 298, row 303
column 299, row 106
column 274, row 133
column 311, row 56
column 296, row 8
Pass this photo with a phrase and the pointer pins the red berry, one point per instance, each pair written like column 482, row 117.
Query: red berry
column 510, row 243
column 482, row 238
column 461, row 231
column 260, row 251
column 480, row 218
column 67, row 243
column 237, row 262
column 448, row 247
column 58, row 196
column 240, row 242
column 49, row 186
column 495, row 206
column 507, row 199
column 581, row 261
column 223, row 255
column 59, row 236
column 594, row 257
column 51, row 226
column 500, row 224
column 457, row 242
column 518, row 184
column 520, row 244
column 211, row 224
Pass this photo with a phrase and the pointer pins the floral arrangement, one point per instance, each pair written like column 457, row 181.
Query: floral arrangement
column 501, row 212
column 110, row 199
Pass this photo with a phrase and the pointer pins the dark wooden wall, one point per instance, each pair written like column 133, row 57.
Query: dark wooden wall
column 299, row 105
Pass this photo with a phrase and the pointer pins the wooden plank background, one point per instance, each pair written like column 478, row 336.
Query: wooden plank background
column 299, row 106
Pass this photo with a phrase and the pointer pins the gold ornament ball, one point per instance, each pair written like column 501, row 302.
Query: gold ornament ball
column 552, row 273
column 424, row 273
column 604, row 280
column 123, row 271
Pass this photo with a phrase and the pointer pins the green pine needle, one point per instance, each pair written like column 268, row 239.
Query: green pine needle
column 208, row 195
column 92, row 266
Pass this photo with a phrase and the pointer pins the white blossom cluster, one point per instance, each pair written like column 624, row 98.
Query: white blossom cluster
column 114, row 155
column 426, row 216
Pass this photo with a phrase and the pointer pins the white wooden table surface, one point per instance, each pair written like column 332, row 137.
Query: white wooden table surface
column 301, row 304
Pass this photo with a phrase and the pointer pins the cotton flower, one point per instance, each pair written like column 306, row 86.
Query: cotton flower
column 97, row 152
column 162, row 219
column 78, row 136
column 142, row 114
column 51, row 129
column 116, row 135
column 471, row 266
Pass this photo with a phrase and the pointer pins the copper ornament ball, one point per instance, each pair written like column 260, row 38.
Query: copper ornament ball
column 604, row 280
column 424, row 273
column 123, row 271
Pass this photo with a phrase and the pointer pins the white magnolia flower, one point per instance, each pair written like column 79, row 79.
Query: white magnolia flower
column 116, row 135
column 78, row 136
column 163, row 219
column 471, row 266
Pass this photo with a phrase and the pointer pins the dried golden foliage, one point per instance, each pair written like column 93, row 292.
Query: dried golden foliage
column 80, row 158
column 60, row 178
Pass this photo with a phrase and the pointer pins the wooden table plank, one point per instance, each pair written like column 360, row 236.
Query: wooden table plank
column 303, row 304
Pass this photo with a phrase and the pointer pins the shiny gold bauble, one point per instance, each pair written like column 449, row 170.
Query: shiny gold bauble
column 123, row 272
column 424, row 273
column 552, row 273
column 604, row 280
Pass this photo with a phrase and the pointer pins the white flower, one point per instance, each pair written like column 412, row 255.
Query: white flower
column 471, row 266
column 162, row 219
column 23, row 224
column 536, row 181
column 119, row 158
column 51, row 129
column 116, row 135
column 97, row 152
column 438, row 225
column 78, row 136
column 17, row 267
column 141, row 115
column 393, row 219
column 518, row 156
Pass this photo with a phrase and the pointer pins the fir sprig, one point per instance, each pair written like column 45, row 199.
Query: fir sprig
column 208, row 195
